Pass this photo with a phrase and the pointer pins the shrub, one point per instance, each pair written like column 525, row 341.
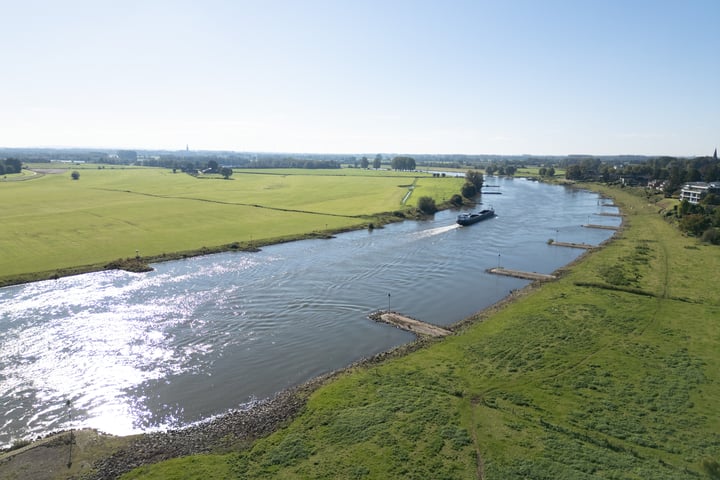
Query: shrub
column 711, row 235
column 694, row 224
column 468, row 190
column 712, row 468
column 456, row 200
column 427, row 205
column 75, row 175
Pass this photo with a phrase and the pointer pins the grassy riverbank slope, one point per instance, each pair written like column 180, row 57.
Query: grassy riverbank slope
column 612, row 371
column 53, row 225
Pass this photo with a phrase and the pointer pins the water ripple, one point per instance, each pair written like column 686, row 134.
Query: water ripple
column 196, row 337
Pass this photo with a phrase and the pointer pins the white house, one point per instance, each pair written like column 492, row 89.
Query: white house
column 693, row 192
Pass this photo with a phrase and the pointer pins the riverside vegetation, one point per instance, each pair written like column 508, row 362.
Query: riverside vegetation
column 612, row 371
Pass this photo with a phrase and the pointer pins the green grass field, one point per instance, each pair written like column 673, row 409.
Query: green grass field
column 612, row 371
column 54, row 223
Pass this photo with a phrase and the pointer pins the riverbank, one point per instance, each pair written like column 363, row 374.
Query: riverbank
column 468, row 235
column 575, row 380
column 143, row 263
column 92, row 455
column 111, row 456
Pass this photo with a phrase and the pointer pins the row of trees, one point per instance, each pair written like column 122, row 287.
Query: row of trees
column 10, row 165
column 494, row 168
column 673, row 171
column 292, row 163
column 365, row 163
column 546, row 171
column 403, row 163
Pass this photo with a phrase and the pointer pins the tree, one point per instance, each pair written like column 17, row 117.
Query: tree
column 456, row 200
column 377, row 163
column 226, row 172
column 213, row 166
column 127, row 156
column 711, row 235
column 12, row 165
column 476, row 178
column 490, row 169
column 574, row 172
column 551, row 172
column 75, row 175
column 468, row 190
column 694, row 224
column 427, row 205
column 710, row 199
column 403, row 163
column 364, row 163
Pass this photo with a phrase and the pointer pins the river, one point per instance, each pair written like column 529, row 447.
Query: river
column 125, row 352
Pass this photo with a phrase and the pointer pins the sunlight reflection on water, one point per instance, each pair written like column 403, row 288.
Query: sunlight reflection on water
column 201, row 336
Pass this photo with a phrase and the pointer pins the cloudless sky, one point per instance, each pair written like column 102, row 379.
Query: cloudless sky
column 364, row 76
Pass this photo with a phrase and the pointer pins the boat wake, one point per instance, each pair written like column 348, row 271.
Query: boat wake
column 435, row 231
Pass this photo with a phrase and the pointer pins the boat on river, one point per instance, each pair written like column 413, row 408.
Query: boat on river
column 466, row 219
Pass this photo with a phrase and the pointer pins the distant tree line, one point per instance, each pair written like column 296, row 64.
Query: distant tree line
column 293, row 163
column 673, row 171
column 10, row 165
column 212, row 165
column 701, row 220
column 365, row 163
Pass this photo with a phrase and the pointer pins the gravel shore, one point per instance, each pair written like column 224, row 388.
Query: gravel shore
column 214, row 435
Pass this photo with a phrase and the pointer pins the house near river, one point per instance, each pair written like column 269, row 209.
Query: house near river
column 693, row 192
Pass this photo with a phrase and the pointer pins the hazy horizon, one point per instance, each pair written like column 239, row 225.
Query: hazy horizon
column 368, row 153
column 467, row 77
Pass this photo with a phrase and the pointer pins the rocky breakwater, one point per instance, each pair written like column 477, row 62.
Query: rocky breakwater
column 216, row 435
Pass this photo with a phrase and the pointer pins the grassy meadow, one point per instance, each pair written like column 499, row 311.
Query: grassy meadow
column 612, row 371
column 53, row 223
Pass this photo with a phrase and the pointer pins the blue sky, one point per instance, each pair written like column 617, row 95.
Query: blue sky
column 496, row 77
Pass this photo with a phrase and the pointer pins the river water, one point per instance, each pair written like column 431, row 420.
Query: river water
column 125, row 352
